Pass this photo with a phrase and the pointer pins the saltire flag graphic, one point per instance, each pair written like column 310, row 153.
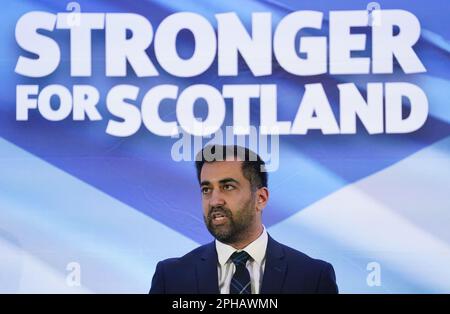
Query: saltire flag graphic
column 82, row 212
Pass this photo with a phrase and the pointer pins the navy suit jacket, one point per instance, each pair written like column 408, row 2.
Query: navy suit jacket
column 286, row 271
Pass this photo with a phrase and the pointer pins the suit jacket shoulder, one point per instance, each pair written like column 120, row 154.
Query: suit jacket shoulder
column 184, row 274
column 303, row 274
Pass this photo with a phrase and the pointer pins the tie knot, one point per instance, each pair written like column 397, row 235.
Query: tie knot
column 240, row 258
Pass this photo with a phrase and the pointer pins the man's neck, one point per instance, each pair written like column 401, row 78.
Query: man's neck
column 252, row 236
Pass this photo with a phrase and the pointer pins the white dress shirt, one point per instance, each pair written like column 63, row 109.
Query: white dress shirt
column 255, row 264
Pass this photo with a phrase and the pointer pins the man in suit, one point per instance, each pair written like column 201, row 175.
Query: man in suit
column 243, row 259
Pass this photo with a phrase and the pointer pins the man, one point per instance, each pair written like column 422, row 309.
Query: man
column 243, row 259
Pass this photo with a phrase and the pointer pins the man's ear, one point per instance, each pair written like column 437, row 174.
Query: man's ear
column 262, row 197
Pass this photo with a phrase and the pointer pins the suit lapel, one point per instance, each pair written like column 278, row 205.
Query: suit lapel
column 275, row 269
column 206, row 270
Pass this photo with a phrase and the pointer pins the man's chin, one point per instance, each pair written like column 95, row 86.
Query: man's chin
column 221, row 232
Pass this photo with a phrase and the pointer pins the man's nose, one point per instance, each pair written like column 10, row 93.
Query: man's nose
column 217, row 198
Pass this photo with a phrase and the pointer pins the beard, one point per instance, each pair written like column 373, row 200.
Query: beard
column 236, row 226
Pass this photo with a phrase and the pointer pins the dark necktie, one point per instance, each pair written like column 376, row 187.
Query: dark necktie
column 240, row 283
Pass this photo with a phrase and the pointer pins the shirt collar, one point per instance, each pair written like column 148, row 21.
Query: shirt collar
column 256, row 249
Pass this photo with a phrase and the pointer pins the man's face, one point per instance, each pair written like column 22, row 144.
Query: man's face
column 228, row 202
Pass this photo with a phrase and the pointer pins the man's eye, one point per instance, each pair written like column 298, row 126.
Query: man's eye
column 205, row 190
column 228, row 187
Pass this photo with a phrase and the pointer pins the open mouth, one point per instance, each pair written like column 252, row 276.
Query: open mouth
column 218, row 218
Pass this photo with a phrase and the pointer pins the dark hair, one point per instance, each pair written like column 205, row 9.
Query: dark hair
column 253, row 167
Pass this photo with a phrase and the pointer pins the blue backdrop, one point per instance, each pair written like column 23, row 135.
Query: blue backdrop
column 74, row 198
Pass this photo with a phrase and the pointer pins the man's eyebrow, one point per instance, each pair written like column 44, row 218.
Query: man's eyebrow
column 223, row 181
column 229, row 180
